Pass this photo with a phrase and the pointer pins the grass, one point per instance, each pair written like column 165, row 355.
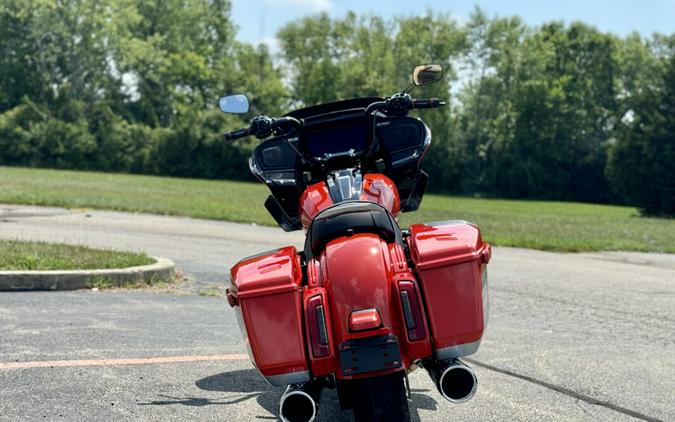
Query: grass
column 216, row 200
column 155, row 282
column 40, row 256
column 555, row 226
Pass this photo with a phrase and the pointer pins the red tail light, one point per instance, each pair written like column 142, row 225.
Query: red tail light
column 318, row 334
column 412, row 311
column 366, row 319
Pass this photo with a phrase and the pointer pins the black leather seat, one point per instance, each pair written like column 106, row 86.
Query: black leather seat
column 349, row 218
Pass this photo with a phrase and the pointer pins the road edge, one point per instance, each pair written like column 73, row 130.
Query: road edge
column 163, row 269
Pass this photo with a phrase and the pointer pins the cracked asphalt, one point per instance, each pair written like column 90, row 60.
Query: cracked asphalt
column 571, row 337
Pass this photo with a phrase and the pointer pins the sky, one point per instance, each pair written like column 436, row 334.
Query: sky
column 259, row 20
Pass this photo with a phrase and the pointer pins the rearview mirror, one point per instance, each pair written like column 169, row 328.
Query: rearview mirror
column 233, row 104
column 427, row 74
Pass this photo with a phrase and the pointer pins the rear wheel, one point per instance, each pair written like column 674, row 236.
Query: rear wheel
column 379, row 399
column 344, row 394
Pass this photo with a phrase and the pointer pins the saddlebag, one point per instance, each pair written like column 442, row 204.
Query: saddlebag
column 266, row 293
column 451, row 261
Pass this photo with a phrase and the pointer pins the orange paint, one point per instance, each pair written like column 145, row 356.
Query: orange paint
column 113, row 362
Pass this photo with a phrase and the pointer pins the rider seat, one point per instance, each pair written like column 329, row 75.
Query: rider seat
column 348, row 218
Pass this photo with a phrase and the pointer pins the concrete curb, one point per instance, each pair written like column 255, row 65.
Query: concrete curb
column 82, row 279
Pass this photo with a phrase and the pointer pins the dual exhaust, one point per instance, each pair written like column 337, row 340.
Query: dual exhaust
column 300, row 402
column 454, row 379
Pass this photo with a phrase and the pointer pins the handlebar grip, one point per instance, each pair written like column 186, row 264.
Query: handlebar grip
column 434, row 102
column 236, row 134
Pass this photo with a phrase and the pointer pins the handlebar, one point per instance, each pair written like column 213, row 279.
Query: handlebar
column 400, row 104
column 236, row 134
column 434, row 102
column 262, row 127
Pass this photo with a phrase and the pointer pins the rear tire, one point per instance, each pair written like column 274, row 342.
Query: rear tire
column 344, row 394
column 380, row 399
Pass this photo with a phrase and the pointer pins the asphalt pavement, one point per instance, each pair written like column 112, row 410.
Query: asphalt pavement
column 571, row 337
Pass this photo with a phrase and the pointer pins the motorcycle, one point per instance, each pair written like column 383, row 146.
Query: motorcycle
column 365, row 303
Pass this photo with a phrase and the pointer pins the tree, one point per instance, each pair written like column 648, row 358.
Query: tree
column 120, row 85
column 641, row 164
column 369, row 56
column 535, row 119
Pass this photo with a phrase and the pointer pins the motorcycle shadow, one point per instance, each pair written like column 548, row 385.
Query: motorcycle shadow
column 248, row 384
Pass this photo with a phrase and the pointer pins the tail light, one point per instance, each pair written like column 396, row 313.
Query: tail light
column 412, row 311
column 366, row 319
column 318, row 333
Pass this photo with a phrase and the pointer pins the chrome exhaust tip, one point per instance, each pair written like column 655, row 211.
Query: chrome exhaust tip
column 454, row 379
column 300, row 403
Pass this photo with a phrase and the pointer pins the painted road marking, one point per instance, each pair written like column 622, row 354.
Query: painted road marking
column 112, row 362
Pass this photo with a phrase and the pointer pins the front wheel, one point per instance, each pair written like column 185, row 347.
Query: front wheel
column 379, row 399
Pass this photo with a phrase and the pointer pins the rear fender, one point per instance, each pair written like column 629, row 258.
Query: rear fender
column 358, row 276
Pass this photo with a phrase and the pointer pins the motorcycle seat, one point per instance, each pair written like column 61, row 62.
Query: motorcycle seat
column 347, row 218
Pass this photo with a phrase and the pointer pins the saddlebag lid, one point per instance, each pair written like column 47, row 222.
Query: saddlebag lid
column 269, row 273
column 444, row 243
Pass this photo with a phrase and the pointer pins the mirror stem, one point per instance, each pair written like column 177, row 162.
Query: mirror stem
column 410, row 88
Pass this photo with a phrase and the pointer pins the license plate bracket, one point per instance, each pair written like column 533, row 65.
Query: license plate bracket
column 370, row 354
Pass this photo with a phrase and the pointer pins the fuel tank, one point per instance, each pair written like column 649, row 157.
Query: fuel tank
column 345, row 186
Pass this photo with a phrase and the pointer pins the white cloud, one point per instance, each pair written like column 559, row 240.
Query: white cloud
column 315, row 5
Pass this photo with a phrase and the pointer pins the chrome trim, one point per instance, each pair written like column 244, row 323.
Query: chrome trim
column 427, row 138
column 290, row 378
column 283, row 181
column 457, row 351
column 345, row 185
column 458, row 365
column 244, row 333
column 357, row 187
column 255, row 170
column 287, row 394
column 403, row 160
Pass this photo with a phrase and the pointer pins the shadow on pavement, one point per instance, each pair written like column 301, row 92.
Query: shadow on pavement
column 246, row 381
column 197, row 401
column 248, row 384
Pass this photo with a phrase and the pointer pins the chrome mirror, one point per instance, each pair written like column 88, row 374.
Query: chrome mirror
column 427, row 74
column 233, row 104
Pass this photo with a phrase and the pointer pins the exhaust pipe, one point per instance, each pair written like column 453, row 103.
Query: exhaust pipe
column 300, row 402
column 454, row 380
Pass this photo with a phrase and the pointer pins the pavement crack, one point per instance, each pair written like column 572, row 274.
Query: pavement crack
column 566, row 391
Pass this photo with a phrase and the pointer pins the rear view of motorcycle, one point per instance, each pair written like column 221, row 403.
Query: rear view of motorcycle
column 365, row 302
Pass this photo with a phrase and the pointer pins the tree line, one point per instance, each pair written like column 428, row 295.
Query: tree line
column 560, row 112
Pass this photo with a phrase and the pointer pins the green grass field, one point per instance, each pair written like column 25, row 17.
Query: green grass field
column 553, row 226
column 39, row 256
